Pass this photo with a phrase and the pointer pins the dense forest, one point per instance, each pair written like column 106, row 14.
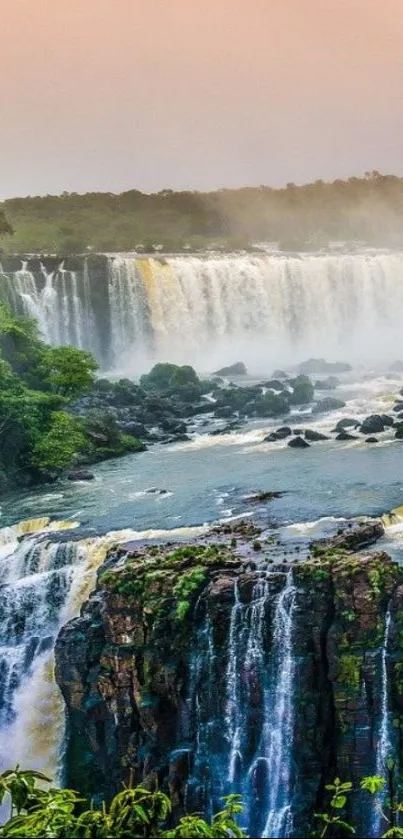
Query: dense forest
column 368, row 210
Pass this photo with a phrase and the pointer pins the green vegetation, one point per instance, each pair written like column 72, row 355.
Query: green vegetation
column 40, row 812
column 39, row 438
column 5, row 226
column 367, row 209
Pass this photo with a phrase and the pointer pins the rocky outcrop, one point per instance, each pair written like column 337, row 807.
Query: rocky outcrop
column 177, row 650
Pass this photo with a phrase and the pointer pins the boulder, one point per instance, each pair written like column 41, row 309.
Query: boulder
column 283, row 432
column 372, row 440
column 388, row 421
column 330, row 383
column 302, row 390
column 314, row 436
column 80, row 475
column 318, row 366
column 399, row 431
column 270, row 438
column 328, row 404
column 298, row 443
column 398, row 407
column 237, row 369
column 346, row 423
column 344, row 435
column 372, row 425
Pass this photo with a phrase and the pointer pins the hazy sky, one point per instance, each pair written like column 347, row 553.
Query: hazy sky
column 147, row 94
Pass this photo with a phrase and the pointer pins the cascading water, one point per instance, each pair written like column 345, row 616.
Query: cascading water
column 43, row 584
column 386, row 748
column 252, row 752
column 131, row 311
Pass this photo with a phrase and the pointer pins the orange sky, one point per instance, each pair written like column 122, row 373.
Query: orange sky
column 116, row 94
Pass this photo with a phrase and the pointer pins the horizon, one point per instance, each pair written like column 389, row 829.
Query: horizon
column 167, row 189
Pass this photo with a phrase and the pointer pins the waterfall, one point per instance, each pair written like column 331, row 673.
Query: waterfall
column 385, row 746
column 245, row 744
column 279, row 822
column 132, row 311
column 43, row 584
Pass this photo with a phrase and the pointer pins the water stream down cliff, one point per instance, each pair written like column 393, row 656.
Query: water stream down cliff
column 130, row 311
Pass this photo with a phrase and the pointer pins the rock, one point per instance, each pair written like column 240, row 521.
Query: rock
column 344, row 435
column 302, row 391
column 327, row 384
column 372, row 425
column 270, row 438
column 317, row 366
column 328, row 404
column 353, row 539
column 261, row 497
column 399, row 431
column 298, row 431
column 313, row 436
column 346, row 423
column 274, row 384
column 237, row 369
column 298, row 443
column 398, row 407
column 388, row 421
column 80, row 475
column 283, row 432
column 223, row 412
column 372, row 440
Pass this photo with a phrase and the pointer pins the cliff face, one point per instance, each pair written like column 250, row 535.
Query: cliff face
column 213, row 672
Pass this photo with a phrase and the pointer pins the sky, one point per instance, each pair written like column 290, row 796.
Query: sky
column 197, row 94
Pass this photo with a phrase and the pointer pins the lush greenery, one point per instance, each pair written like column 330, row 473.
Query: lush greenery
column 5, row 226
column 368, row 209
column 42, row 811
column 38, row 436
column 135, row 812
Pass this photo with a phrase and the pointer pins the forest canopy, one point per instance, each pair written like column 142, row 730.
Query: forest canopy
column 367, row 209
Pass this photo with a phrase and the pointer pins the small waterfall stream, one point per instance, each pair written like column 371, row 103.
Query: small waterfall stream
column 385, row 746
column 252, row 752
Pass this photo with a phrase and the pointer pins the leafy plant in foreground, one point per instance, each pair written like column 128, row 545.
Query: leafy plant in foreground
column 135, row 812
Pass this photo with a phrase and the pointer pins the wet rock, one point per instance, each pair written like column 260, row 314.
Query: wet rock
column 270, row 438
column 318, row 366
column 80, row 475
column 330, row 383
column 346, row 422
column 388, row 421
column 372, row 440
column 237, row 369
column 314, row 436
column 399, row 431
column 398, row 407
column 298, row 443
column 344, row 435
column 330, row 403
column 283, row 432
column 372, row 424
column 223, row 412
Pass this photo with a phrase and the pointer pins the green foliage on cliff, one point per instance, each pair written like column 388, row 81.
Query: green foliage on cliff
column 368, row 209
column 135, row 812
column 5, row 226
column 38, row 436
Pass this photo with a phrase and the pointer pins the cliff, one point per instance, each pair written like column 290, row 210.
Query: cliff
column 209, row 669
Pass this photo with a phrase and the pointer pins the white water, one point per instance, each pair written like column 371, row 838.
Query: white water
column 385, row 747
column 279, row 822
column 190, row 309
column 43, row 584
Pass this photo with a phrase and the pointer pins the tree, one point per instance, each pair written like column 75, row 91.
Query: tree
column 5, row 226
column 68, row 370
column 60, row 445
